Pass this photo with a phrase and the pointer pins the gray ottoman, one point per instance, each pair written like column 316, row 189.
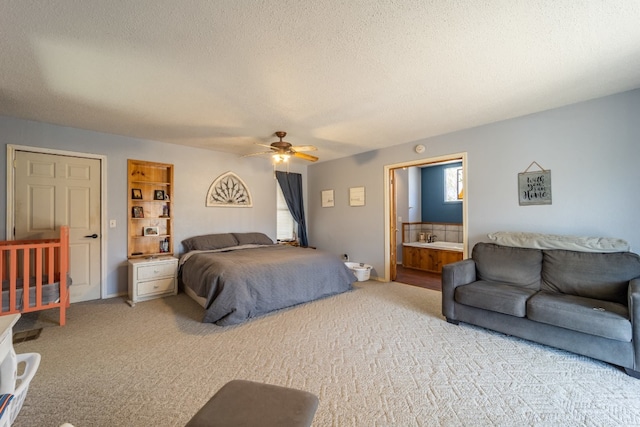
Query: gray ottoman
column 247, row 403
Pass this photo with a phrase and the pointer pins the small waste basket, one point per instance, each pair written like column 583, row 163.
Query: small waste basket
column 361, row 270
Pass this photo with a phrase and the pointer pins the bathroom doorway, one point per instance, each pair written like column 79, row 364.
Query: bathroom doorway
column 393, row 226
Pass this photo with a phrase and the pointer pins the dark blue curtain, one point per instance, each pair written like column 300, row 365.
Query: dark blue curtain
column 291, row 185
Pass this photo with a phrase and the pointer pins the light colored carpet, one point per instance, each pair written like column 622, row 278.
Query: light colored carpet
column 380, row 355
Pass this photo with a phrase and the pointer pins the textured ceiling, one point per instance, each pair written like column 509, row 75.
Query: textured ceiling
column 345, row 76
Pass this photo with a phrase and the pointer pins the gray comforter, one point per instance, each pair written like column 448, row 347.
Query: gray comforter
column 245, row 283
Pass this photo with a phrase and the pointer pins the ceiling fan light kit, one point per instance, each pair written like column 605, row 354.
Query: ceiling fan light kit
column 277, row 158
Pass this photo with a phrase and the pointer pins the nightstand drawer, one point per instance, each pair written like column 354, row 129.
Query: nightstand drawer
column 148, row 272
column 156, row 286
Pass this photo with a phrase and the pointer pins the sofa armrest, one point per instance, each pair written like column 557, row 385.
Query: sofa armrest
column 634, row 316
column 454, row 275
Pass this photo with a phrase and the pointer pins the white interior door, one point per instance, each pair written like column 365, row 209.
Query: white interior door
column 53, row 190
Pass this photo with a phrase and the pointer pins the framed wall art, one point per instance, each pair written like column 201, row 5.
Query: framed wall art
column 327, row 198
column 356, row 196
column 534, row 188
column 229, row 190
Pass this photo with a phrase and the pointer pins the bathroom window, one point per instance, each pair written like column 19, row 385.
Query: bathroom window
column 285, row 226
column 453, row 191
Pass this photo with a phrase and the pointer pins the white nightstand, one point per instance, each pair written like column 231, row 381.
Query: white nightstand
column 152, row 278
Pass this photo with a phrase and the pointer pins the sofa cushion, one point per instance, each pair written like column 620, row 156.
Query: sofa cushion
column 603, row 276
column 516, row 266
column 591, row 316
column 501, row 297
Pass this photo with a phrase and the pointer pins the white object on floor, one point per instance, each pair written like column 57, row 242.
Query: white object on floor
column 7, row 354
column 22, row 381
column 361, row 270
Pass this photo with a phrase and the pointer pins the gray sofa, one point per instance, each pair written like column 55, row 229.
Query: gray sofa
column 586, row 303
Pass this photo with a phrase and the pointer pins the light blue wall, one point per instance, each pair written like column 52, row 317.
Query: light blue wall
column 194, row 171
column 434, row 208
column 591, row 148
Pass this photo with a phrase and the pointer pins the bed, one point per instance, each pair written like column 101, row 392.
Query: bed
column 238, row 276
column 35, row 275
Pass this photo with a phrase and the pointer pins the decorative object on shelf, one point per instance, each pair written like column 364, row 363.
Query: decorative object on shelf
column 327, row 198
column 158, row 195
column 229, row 190
column 356, row 196
column 534, row 188
column 137, row 212
column 165, row 212
column 136, row 194
column 150, row 231
column 164, row 245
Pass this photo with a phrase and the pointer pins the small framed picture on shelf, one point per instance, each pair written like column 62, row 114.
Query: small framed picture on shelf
column 136, row 194
column 158, row 195
column 150, row 231
column 137, row 212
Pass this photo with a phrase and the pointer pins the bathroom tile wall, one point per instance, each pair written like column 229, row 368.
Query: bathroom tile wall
column 453, row 233
column 443, row 232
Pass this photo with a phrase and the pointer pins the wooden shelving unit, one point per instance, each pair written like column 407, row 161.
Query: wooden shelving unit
column 150, row 208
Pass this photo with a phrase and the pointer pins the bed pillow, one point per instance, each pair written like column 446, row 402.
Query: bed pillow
column 209, row 242
column 252, row 239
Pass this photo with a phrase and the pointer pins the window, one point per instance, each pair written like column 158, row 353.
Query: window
column 453, row 191
column 285, row 226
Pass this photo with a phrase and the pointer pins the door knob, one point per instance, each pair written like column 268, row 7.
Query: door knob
column 93, row 236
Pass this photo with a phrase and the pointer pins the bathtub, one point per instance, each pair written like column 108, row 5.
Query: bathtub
column 446, row 246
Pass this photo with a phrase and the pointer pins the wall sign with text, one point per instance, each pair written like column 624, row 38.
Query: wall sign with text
column 534, row 188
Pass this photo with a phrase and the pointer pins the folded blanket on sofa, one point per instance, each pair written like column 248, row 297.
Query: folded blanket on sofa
column 552, row 241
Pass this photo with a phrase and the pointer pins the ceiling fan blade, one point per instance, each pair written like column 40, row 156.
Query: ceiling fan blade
column 258, row 154
column 265, row 145
column 304, row 148
column 304, row 156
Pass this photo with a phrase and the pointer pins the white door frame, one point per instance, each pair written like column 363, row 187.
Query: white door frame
column 387, row 202
column 11, row 149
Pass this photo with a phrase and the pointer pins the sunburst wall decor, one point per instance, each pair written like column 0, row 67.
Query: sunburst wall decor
column 229, row 190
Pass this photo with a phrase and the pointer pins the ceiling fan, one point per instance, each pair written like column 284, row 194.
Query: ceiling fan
column 281, row 150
